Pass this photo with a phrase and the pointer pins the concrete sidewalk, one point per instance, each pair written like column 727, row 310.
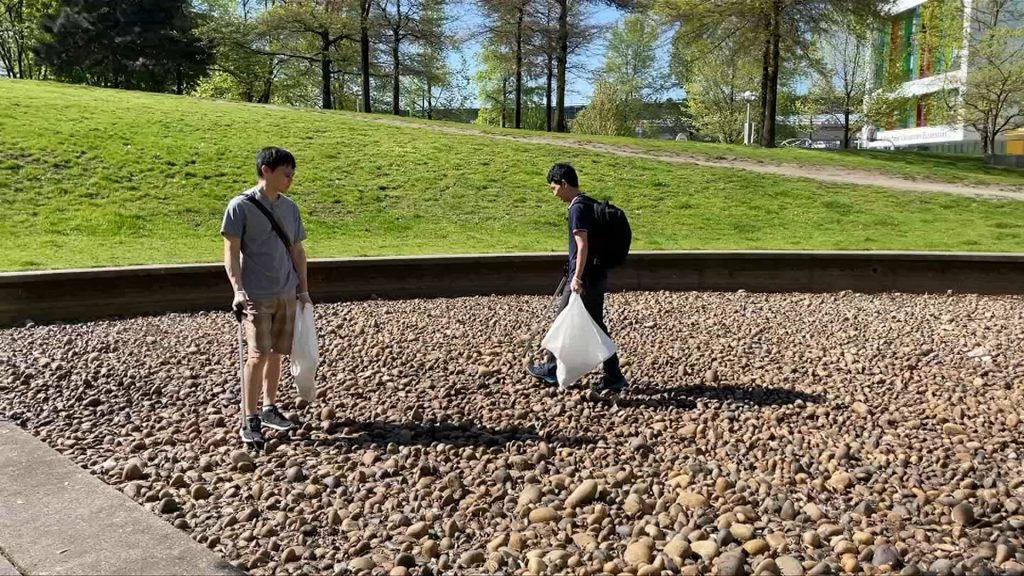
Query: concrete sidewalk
column 6, row 569
column 55, row 518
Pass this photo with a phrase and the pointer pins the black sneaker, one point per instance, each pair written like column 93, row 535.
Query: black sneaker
column 252, row 433
column 610, row 384
column 543, row 372
column 272, row 418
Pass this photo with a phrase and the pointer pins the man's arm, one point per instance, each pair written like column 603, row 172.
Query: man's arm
column 582, row 246
column 233, row 262
column 233, row 266
column 299, row 257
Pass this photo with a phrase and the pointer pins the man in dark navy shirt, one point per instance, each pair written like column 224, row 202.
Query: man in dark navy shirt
column 582, row 275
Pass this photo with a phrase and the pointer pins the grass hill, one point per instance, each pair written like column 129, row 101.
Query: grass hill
column 97, row 177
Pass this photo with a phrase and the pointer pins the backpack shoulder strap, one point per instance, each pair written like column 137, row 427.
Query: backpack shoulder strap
column 273, row 221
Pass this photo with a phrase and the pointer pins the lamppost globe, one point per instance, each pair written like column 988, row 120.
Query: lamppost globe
column 748, row 128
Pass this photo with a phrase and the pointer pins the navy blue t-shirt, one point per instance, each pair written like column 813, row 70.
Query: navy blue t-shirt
column 581, row 217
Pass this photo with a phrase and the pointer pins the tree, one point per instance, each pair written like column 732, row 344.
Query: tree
column 19, row 31
column 843, row 74
column 135, row 44
column 992, row 101
column 402, row 20
column 505, row 25
column 768, row 24
column 435, row 84
column 365, row 8
column 563, row 34
column 715, row 73
column 631, row 60
column 543, row 24
column 241, row 69
column 494, row 84
column 629, row 78
column 612, row 111
column 310, row 31
column 432, row 77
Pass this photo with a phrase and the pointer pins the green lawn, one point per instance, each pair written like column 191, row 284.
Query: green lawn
column 918, row 166
column 98, row 177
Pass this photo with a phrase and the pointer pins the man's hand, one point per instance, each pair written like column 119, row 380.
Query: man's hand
column 304, row 298
column 238, row 304
column 576, row 285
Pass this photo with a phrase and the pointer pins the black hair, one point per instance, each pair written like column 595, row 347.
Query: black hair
column 562, row 172
column 273, row 158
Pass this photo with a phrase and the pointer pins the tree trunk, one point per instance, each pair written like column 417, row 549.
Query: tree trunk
column 846, row 128
column 771, row 96
column 325, row 80
column 504, row 100
column 430, row 99
column 364, row 54
column 766, row 64
column 395, row 75
column 547, row 93
column 518, row 121
column 265, row 93
column 268, row 83
column 563, row 59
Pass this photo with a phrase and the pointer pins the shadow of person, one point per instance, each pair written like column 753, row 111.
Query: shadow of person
column 685, row 397
column 453, row 434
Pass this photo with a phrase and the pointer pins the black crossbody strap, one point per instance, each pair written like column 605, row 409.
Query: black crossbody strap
column 273, row 221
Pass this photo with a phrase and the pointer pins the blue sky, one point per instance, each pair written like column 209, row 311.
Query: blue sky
column 579, row 87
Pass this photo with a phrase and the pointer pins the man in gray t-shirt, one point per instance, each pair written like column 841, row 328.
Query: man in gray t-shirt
column 268, row 278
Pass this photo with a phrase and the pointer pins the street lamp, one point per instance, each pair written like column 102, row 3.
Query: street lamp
column 748, row 128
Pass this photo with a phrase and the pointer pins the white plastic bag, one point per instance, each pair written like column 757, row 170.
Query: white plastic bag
column 577, row 342
column 305, row 352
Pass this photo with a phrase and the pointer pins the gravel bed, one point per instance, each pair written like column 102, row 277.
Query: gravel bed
column 761, row 434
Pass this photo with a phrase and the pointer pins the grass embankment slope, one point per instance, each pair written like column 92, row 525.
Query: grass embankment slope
column 97, row 177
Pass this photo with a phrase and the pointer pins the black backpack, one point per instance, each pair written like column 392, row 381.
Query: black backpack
column 613, row 235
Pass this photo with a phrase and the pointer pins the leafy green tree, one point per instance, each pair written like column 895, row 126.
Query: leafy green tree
column 781, row 31
column 715, row 76
column 631, row 59
column 843, row 74
column 612, row 112
column 19, row 32
column 134, row 44
column 630, row 77
column 240, row 70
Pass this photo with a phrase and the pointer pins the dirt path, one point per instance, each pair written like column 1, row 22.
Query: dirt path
column 830, row 174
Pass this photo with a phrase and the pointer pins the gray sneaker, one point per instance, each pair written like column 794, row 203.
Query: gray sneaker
column 272, row 418
column 252, row 433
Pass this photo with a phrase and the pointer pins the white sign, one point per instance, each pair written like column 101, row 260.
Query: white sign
column 925, row 135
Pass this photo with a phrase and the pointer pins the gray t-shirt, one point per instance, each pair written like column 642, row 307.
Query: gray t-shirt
column 267, row 269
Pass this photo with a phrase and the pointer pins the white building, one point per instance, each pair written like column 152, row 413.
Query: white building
column 925, row 76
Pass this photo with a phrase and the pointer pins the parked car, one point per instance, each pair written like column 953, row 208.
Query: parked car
column 796, row 143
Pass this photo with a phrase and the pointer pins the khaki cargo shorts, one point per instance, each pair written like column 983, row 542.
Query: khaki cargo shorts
column 270, row 325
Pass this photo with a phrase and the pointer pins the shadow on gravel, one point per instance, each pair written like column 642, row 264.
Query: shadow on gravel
column 383, row 433
column 685, row 397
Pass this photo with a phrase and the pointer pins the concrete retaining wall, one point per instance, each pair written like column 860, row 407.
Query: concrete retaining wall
column 79, row 295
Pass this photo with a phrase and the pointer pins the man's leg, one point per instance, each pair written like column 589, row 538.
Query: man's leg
column 593, row 301
column 257, row 324
column 255, row 367
column 282, row 331
column 271, row 378
column 546, row 369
